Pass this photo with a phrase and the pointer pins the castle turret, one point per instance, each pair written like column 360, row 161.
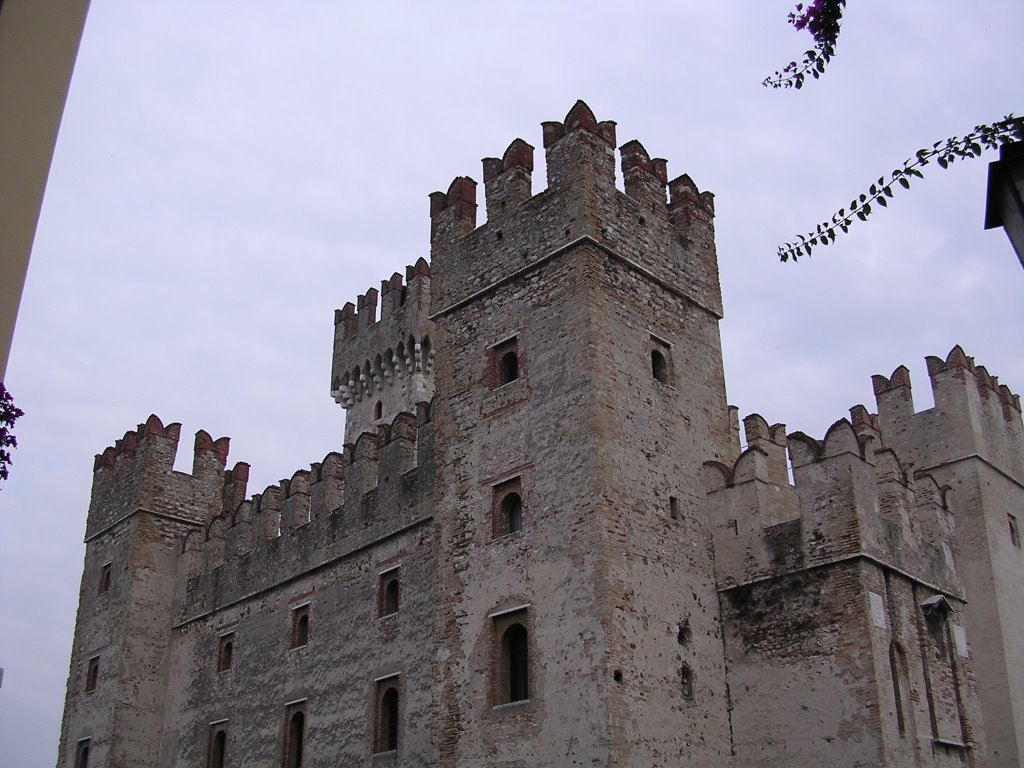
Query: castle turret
column 972, row 442
column 384, row 366
column 843, row 612
column 141, row 509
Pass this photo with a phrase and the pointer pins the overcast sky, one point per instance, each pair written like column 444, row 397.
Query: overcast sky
column 229, row 173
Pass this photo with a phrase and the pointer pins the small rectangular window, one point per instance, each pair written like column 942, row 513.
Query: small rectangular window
column 673, row 507
column 507, row 507
column 217, row 745
column 106, row 575
column 388, row 592
column 686, row 681
column 82, row 754
column 1014, row 531
column 225, row 651
column 387, row 711
column 300, row 626
column 661, row 360
column 505, row 363
column 92, row 674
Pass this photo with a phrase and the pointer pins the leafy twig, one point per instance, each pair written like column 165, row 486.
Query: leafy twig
column 822, row 19
column 944, row 153
column 9, row 413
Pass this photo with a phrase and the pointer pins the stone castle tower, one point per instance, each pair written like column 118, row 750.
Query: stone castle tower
column 543, row 543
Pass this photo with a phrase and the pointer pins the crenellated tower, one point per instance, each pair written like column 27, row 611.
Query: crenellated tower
column 581, row 388
column 384, row 366
column 972, row 442
column 141, row 508
column 844, row 613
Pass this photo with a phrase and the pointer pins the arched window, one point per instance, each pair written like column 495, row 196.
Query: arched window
column 82, row 754
column 300, row 626
column 378, row 411
column 504, row 363
column 659, row 366
column 295, row 740
column 387, row 720
column 512, row 512
column 508, row 367
column 515, row 664
column 92, row 674
column 218, row 747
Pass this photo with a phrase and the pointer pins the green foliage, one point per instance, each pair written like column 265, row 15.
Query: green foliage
column 943, row 153
column 9, row 413
column 822, row 18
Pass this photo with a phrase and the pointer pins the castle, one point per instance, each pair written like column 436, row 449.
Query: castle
column 544, row 543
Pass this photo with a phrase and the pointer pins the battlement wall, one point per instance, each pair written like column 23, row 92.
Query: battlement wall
column 137, row 472
column 850, row 497
column 973, row 415
column 664, row 227
column 376, row 487
column 389, row 359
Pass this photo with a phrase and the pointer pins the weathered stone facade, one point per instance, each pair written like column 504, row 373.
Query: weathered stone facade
column 543, row 544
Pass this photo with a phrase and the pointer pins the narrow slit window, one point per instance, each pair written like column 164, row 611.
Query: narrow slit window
column 512, row 511
column 216, row 752
column 389, row 593
column 295, row 736
column 106, row 576
column 1014, row 531
column 92, row 674
column 378, row 410
column 225, row 652
column 386, row 726
column 895, row 664
column 82, row 754
column 673, row 507
column 686, row 681
column 515, row 664
column 300, row 626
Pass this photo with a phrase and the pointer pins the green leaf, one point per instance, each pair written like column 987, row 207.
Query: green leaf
column 883, row 202
column 888, row 190
column 904, row 183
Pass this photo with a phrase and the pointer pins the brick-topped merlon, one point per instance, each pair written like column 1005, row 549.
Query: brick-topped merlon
column 580, row 149
column 645, row 179
column 137, row 472
column 508, row 179
column 673, row 238
column 973, row 415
